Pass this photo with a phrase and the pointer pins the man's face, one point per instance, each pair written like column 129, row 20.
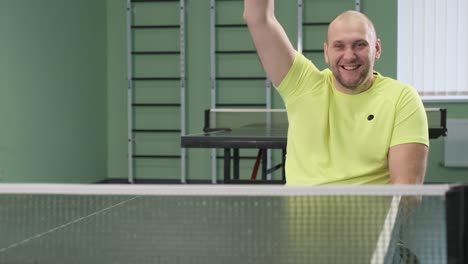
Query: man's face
column 350, row 51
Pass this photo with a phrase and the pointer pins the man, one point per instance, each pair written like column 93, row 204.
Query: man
column 348, row 123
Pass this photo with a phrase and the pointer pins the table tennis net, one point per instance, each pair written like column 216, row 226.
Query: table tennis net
column 222, row 224
column 235, row 118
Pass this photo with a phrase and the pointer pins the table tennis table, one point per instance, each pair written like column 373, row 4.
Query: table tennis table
column 264, row 136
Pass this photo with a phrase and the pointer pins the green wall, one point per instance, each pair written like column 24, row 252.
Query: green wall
column 198, row 64
column 382, row 12
column 63, row 87
column 53, row 91
column 117, row 89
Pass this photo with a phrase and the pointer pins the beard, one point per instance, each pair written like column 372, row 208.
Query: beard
column 353, row 84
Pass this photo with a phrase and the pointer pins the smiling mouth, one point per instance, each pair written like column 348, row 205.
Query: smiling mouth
column 350, row 67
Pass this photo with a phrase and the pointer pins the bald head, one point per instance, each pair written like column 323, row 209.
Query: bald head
column 351, row 50
column 352, row 18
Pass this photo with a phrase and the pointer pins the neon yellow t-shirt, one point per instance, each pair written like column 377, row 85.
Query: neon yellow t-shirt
column 339, row 138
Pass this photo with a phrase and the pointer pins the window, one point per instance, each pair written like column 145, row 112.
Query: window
column 432, row 44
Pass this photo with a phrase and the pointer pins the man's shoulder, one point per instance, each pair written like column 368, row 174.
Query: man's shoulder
column 393, row 87
column 396, row 92
column 389, row 81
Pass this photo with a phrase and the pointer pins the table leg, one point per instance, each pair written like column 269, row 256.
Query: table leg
column 264, row 164
column 236, row 164
column 227, row 165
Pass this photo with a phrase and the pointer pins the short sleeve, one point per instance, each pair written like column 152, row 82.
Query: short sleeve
column 411, row 124
column 298, row 77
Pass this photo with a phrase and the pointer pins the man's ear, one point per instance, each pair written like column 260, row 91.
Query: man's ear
column 378, row 49
column 325, row 51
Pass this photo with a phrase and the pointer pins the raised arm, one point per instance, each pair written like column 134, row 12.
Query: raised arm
column 274, row 49
column 407, row 163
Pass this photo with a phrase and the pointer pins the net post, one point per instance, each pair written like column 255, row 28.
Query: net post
column 457, row 219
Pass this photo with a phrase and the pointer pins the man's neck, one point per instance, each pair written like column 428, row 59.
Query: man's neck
column 360, row 89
